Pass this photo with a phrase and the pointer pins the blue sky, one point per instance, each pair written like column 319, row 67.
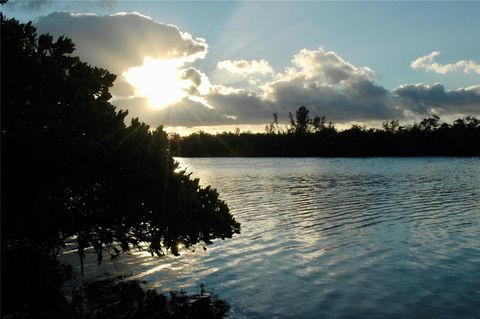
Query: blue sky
column 386, row 37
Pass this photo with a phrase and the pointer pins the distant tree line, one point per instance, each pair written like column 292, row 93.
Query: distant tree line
column 306, row 136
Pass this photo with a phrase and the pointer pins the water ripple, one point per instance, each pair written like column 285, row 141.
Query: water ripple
column 338, row 238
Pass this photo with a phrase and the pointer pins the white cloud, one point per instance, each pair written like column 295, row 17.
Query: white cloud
column 324, row 67
column 244, row 67
column 121, row 41
column 427, row 63
column 124, row 41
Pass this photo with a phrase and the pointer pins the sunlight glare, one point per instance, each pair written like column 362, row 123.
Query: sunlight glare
column 159, row 80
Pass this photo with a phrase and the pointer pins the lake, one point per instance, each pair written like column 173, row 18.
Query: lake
column 336, row 238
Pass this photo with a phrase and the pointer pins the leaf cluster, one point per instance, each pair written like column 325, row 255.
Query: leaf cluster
column 72, row 171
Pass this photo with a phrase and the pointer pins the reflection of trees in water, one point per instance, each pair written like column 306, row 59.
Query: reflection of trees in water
column 117, row 298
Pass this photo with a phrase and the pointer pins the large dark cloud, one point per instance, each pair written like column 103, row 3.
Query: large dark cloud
column 425, row 99
column 246, row 106
column 359, row 101
column 120, row 41
column 191, row 113
column 330, row 86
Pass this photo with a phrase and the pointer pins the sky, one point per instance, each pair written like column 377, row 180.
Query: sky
column 215, row 66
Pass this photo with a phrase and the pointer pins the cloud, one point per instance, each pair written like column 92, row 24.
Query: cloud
column 244, row 67
column 120, row 41
column 29, row 5
column 123, row 41
column 325, row 67
column 122, row 88
column 427, row 63
column 330, row 86
column 220, row 106
column 186, row 112
column 38, row 5
column 243, row 105
column 199, row 82
column 193, row 75
column 321, row 80
column 426, row 99
column 354, row 102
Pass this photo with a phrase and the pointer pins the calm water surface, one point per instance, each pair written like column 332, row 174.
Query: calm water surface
column 337, row 238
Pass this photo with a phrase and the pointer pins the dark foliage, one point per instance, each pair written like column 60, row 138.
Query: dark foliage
column 113, row 298
column 71, row 168
column 32, row 285
column 107, row 298
column 314, row 137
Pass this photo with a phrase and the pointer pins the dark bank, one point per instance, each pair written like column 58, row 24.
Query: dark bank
column 305, row 136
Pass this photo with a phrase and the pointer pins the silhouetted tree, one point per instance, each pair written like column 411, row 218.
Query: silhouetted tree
column 300, row 125
column 272, row 128
column 71, row 168
column 390, row 127
column 318, row 123
column 430, row 123
column 471, row 122
column 303, row 124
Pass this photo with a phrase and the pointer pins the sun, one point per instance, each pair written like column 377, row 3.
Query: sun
column 159, row 80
